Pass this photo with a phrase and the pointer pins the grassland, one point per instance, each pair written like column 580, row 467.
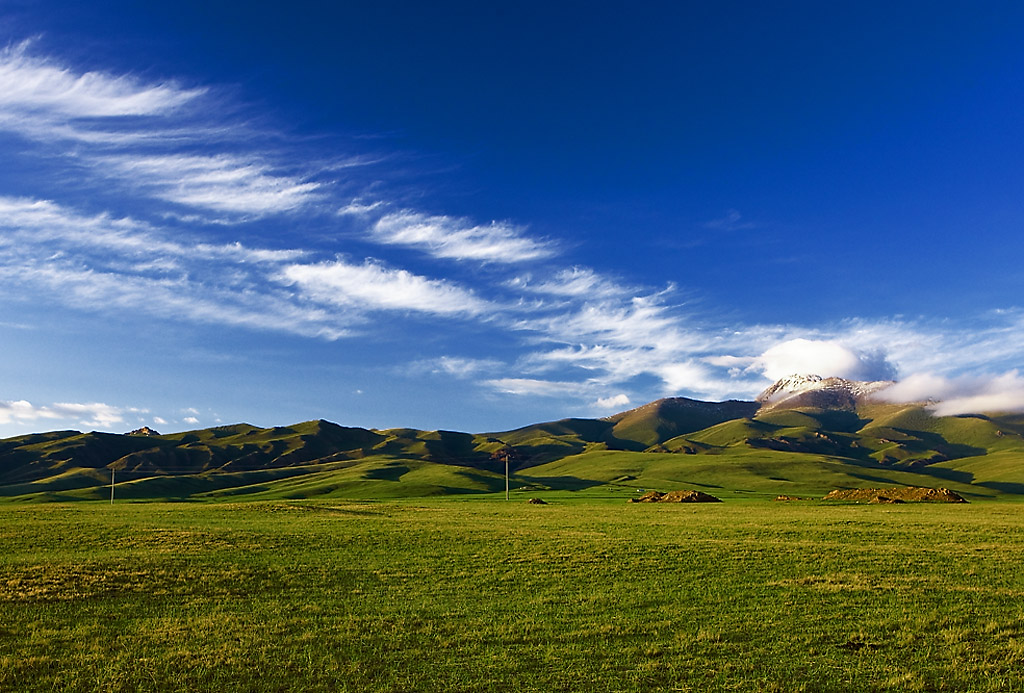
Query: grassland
column 471, row 593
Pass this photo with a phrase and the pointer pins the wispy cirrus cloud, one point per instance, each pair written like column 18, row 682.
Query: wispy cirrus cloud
column 457, row 366
column 101, row 264
column 581, row 391
column 221, row 183
column 149, row 137
column 28, row 223
column 458, row 239
column 574, row 282
column 374, row 286
column 619, row 337
column 539, row 387
column 38, row 89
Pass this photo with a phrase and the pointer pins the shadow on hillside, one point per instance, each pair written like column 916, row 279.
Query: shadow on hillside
column 561, row 483
column 948, row 474
column 390, row 472
column 936, row 442
column 1003, row 486
column 839, row 420
column 884, row 480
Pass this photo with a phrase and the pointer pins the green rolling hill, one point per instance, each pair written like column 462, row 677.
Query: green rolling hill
column 730, row 448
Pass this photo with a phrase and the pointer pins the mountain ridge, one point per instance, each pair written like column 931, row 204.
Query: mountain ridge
column 808, row 421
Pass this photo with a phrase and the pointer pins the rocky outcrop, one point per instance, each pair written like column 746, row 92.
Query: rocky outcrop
column 904, row 494
column 676, row 497
column 144, row 431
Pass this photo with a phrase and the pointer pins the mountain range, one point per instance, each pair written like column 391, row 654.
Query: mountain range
column 803, row 435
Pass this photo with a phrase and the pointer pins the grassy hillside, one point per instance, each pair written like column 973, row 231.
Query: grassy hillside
column 664, row 445
column 665, row 419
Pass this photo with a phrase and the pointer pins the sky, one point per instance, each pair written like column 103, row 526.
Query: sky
column 477, row 216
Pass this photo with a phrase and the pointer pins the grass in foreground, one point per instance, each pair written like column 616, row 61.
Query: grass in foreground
column 471, row 595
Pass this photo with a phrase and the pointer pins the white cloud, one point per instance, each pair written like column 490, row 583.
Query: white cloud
column 191, row 420
column 695, row 377
column 614, row 402
column 372, row 286
column 453, row 238
column 822, row 357
column 95, row 414
column 633, row 321
column 159, row 421
column 949, row 396
column 617, row 337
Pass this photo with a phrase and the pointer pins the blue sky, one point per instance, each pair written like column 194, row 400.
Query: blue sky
column 473, row 216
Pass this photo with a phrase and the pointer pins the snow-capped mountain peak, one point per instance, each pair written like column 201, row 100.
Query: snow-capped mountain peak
column 806, row 390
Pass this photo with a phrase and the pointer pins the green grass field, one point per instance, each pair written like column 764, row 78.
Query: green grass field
column 472, row 593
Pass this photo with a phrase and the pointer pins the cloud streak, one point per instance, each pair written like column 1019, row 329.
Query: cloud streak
column 373, row 286
column 458, row 239
column 37, row 88
column 221, row 183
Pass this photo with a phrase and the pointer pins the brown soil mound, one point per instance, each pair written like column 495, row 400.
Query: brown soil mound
column 885, row 500
column 537, row 501
column 788, row 498
column 905, row 494
column 675, row 497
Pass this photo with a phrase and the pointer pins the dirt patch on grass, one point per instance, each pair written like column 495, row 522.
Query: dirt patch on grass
column 687, row 496
column 904, row 494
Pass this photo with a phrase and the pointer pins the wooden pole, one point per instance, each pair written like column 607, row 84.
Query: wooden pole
column 111, row 485
column 506, row 476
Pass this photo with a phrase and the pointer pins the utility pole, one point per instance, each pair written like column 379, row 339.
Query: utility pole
column 111, row 485
column 504, row 453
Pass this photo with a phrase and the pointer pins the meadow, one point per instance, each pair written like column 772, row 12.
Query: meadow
column 473, row 593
